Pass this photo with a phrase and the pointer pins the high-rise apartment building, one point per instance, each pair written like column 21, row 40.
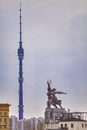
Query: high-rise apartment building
column 13, row 123
column 34, row 122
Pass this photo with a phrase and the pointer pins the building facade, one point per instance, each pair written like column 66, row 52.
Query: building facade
column 67, row 125
column 25, row 124
column 59, row 119
column 4, row 116
column 13, row 123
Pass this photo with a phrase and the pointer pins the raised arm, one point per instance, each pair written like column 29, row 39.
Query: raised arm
column 60, row 92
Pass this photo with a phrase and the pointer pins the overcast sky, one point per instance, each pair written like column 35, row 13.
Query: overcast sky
column 55, row 45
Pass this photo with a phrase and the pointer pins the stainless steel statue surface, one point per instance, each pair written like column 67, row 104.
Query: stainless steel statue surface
column 52, row 99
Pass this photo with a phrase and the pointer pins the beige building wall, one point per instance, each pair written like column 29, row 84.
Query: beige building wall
column 4, row 116
column 74, row 125
column 71, row 125
column 51, row 126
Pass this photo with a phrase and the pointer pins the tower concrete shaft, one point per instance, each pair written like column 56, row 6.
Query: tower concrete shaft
column 20, row 79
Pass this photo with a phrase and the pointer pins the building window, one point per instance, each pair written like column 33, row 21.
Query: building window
column 5, row 120
column 61, row 125
column 85, row 125
column 82, row 125
column 4, row 126
column 65, row 125
column 72, row 125
column 0, row 120
column 0, row 113
column 5, row 114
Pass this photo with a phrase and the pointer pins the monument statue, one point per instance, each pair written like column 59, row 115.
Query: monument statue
column 52, row 99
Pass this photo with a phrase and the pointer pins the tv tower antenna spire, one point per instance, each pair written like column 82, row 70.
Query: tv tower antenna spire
column 20, row 79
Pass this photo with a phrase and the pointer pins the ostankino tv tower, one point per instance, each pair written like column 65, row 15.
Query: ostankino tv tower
column 20, row 79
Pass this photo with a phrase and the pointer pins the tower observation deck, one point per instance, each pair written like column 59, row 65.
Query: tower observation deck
column 20, row 79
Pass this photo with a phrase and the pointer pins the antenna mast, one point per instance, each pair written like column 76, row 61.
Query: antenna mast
column 20, row 79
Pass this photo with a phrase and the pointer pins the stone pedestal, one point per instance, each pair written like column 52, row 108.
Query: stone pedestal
column 52, row 115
